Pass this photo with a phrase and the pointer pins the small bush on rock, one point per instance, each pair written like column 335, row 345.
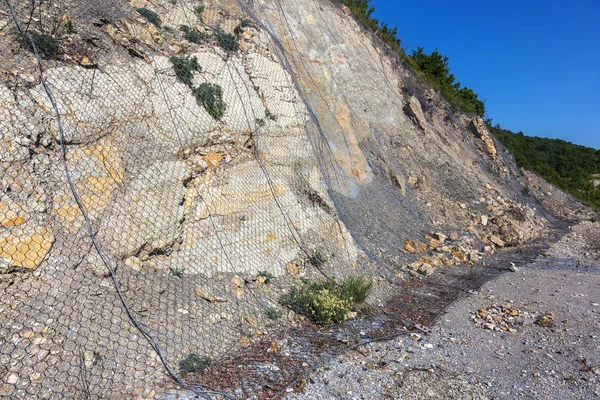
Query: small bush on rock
column 46, row 45
column 318, row 257
column 199, row 9
column 192, row 35
column 357, row 288
column 184, row 68
column 326, row 302
column 210, row 96
column 150, row 16
column 266, row 276
column 226, row 40
column 194, row 363
column 273, row 313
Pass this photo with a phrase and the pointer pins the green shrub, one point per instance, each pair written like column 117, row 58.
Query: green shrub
column 184, row 68
column 226, row 40
column 46, row 45
column 363, row 12
column 192, row 35
column 357, row 288
column 321, row 302
column 68, row 26
column 270, row 115
column 436, row 69
column 318, row 257
column 175, row 271
column 210, row 96
column 273, row 313
column 326, row 302
column 199, row 9
column 194, row 363
column 267, row 275
column 150, row 15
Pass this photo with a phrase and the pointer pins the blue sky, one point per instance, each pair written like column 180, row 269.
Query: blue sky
column 535, row 63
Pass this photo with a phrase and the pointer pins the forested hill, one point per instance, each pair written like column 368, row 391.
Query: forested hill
column 568, row 166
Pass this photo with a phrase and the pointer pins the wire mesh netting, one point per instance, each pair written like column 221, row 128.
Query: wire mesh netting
column 165, row 178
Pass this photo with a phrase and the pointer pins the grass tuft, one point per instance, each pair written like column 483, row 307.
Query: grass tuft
column 46, row 45
column 194, row 363
column 357, row 288
column 318, row 258
column 273, row 313
column 267, row 275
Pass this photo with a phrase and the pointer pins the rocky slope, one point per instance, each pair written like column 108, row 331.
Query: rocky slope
column 326, row 144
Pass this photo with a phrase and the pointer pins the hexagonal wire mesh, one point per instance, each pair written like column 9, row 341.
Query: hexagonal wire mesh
column 165, row 179
column 137, row 177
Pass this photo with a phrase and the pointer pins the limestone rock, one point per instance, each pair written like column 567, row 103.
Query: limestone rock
column 484, row 220
column 148, row 213
column 97, row 171
column 479, row 129
column 25, row 248
column 497, row 241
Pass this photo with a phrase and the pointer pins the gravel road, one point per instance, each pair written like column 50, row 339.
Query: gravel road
column 532, row 334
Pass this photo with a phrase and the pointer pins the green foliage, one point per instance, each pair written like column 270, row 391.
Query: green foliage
column 184, row 68
column 68, row 26
column 210, row 96
column 434, row 66
column 362, row 11
column 326, row 302
column 273, row 313
column 194, row 363
column 192, row 35
column 357, row 288
column 150, row 15
column 96, row 358
column 175, row 271
column 436, row 69
column 227, row 41
column 46, row 45
column 318, row 257
column 246, row 23
column 199, row 9
column 267, row 275
column 260, row 122
column 564, row 164
column 270, row 115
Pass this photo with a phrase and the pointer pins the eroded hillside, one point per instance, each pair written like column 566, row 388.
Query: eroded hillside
column 170, row 169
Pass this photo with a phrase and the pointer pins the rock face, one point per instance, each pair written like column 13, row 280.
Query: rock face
column 327, row 145
column 397, row 147
column 477, row 126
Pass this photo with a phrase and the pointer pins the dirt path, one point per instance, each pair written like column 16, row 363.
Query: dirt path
column 535, row 335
